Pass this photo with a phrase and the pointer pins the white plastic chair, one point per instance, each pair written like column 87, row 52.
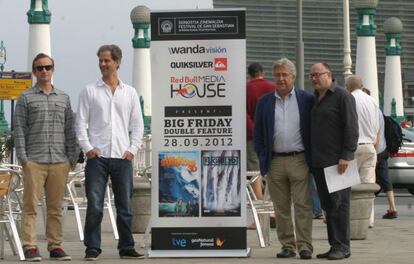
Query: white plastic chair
column 259, row 207
column 79, row 202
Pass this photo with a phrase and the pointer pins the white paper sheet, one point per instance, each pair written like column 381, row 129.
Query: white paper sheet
column 337, row 182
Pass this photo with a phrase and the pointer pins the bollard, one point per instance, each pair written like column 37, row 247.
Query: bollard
column 141, row 204
column 362, row 197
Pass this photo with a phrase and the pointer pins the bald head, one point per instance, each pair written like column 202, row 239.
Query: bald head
column 353, row 82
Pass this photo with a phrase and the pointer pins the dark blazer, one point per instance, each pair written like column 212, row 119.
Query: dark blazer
column 265, row 121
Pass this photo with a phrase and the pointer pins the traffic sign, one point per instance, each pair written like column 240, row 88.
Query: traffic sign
column 12, row 84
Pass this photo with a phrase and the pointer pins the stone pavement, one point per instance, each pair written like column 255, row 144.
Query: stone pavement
column 390, row 241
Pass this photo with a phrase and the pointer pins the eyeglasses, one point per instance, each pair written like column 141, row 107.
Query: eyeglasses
column 316, row 74
column 42, row 67
column 281, row 74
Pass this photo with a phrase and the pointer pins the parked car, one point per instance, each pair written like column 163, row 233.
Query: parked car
column 401, row 164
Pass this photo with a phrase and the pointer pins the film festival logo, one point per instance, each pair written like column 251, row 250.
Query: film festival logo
column 167, row 26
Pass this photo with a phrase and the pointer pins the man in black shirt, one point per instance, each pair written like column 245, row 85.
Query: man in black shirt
column 334, row 137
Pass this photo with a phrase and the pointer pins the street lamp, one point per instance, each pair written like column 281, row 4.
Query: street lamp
column 3, row 123
column 347, row 42
column 2, row 56
column 300, row 50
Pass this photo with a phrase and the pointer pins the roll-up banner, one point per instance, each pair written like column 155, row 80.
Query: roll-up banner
column 198, row 65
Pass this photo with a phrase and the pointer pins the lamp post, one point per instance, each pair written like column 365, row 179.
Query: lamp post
column 3, row 123
column 347, row 42
column 300, row 47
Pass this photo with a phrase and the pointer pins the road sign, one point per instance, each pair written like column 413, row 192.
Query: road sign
column 12, row 84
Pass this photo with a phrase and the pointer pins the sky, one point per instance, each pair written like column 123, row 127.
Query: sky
column 77, row 29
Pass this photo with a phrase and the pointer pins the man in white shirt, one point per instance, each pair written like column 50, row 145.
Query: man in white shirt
column 368, row 129
column 109, row 128
column 381, row 170
column 368, row 123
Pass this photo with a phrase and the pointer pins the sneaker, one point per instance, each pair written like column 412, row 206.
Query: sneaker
column 130, row 254
column 32, row 254
column 91, row 254
column 59, row 254
column 390, row 215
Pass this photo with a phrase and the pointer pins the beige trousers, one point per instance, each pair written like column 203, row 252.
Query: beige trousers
column 52, row 178
column 289, row 182
column 366, row 158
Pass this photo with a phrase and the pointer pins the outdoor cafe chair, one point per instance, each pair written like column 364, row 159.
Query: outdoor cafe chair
column 7, row 187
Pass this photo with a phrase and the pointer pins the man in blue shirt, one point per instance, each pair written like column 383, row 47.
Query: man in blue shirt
column 282, row 143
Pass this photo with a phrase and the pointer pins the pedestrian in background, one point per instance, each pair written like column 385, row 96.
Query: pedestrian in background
column 368, row 124
column 382, row 177
column 257, row 86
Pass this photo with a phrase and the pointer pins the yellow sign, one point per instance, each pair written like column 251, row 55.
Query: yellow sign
column 12, row 84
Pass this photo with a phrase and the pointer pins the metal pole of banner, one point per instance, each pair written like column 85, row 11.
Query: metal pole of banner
column 12, row 161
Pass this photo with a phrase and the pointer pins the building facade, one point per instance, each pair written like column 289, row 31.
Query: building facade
column 271, row 34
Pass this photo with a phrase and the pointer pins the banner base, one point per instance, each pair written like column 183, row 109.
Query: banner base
column 232, row 253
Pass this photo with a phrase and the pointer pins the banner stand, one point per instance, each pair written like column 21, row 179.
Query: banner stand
column 198, row 183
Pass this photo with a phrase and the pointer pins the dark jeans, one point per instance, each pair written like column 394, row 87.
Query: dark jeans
column 381, row 172
column 316, row 203
column 336, row 207
column 97, row 172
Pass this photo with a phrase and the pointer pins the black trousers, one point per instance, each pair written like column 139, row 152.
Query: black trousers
column 381, row 172
column 336, row 207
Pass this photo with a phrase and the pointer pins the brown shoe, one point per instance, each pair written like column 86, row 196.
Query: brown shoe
column 390, row 215
column 320, row 216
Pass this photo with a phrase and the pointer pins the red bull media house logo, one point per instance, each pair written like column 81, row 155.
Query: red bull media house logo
column 190, row 90
column 198, row 86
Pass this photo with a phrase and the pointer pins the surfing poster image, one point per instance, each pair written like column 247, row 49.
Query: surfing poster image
column 179, row 190
column 220, row 183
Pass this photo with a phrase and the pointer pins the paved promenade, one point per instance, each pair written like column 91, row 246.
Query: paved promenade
column 390, row 241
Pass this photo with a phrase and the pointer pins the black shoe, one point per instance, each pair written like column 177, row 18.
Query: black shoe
column 337, row 254
column 272, row 222
column 32, row 254
column 59, row 254
column 91, row 254
column 130, row 254
column 323, row 255
column 305, row 254
column 286, row 253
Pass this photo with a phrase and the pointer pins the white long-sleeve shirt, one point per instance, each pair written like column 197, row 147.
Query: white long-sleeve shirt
column 109, row 122
column 368, row 121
